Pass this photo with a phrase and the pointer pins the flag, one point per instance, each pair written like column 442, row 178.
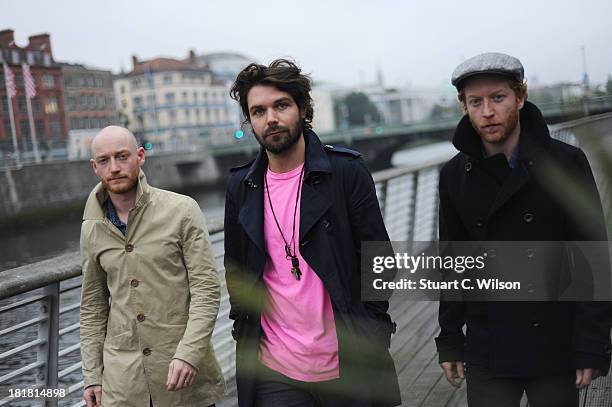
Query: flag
column 9, row 78
column 28, row 82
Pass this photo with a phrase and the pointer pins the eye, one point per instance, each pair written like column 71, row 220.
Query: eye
column 257, row 112
column 102, row 161
column 283, row 105
column 474, row 102
column 499, row 97
column 123, row 157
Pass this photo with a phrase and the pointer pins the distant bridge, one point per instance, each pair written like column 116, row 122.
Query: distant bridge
column 379, row 142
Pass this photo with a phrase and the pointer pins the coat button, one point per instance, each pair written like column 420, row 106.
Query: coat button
column 535, row 325
column 140, row 317
column 146, row 351
column 528, row 217
column 326, row 224
column 129, row 248
column 134, row 283
column 479, row 222
column 468, row 166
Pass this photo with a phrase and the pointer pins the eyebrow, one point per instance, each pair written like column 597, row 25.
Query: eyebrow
column 277, row 101
column 104, row 155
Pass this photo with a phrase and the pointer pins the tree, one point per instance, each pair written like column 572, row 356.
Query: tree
column 609, row 85
column 356, row 109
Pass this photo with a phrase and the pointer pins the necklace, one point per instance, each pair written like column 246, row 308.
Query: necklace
column 290, row 255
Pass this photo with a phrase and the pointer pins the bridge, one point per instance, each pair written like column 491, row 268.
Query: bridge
column 39, row 303
column 379, row 142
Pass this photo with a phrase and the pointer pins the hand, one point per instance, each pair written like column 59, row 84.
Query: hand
column 584, row 377
column 180, row 375
column 93, row 396
column 453, row 371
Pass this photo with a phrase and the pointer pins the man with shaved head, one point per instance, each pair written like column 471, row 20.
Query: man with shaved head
column 150, row 292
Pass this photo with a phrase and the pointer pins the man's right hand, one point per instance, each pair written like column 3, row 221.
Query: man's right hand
column 453, row 372
column 93, row 396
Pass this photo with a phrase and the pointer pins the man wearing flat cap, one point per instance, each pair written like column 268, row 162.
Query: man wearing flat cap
column 511, row 181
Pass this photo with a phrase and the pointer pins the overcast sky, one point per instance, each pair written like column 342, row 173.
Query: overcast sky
column 339, row 41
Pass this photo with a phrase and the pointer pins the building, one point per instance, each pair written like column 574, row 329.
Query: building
column 175, row 104
column 224, row 65
column 89, row 97
column 48, row 109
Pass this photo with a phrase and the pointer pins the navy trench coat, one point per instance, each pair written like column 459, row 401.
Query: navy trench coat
column 338, row 210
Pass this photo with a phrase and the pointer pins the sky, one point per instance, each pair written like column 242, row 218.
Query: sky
column 340, row 42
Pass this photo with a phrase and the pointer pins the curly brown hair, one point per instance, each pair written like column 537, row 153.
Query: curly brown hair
column 284, row 75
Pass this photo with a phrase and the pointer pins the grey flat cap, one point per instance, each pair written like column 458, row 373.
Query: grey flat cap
column 488, row 63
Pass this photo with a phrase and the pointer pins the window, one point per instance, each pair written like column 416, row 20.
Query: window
column 168, row 78
column 122, row 89
column 195, row 97
column 184, row 97
column 99, row 82
column 48, row 82
column 4, row 104
column 21, row 104
column 74, row 123
column 71, row 103
column 151, row 100
column 50, row 105
column 40, row 129
column 25, row 128
column 56, row 128
column 91, row 99
column 169, row 98
column 18, row 80
column 137, row 101
column 46, row 59
column 135, row 83
column 15, row 56
column 91, row 82
column 30, row 58
column 83, row 100
column 36, row 108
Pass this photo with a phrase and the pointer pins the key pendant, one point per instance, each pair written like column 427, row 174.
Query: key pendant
column 295, row 269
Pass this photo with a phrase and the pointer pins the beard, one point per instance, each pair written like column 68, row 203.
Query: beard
column 498, row 137
column 283, row 140
column 128, row 182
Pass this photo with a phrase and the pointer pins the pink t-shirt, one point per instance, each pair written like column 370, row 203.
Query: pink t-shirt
column 299, row 338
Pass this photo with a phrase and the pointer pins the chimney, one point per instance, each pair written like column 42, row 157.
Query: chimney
column 40, row 42
column 192, row 57
column 6, row 38
column 134, row 62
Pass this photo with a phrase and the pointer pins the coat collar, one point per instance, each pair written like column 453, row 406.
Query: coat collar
column 534, row 134
column 95, row 209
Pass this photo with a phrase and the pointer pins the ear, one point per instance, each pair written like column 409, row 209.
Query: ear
column 141, row 156
column 302, row 113
column 94, row 167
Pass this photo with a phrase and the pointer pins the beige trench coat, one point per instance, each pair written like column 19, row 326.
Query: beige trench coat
column 164, row 297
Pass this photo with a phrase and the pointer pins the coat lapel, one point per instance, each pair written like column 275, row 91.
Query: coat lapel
column 514, row 182
column 251, row 212
column 315, row 201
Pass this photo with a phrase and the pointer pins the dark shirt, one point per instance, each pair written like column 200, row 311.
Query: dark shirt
column 111, row 214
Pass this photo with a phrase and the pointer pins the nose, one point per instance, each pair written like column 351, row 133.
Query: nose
column 487, row 109
column 271, row 117
column 114, row 165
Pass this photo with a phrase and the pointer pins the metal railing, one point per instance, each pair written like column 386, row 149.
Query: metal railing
column 39, row 303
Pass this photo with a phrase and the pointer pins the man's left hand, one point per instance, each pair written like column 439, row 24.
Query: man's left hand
column 584, row 377
column 180, row 375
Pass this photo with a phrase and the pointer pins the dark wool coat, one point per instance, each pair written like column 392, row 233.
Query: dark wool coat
column 549, row 196
column 338, row 210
